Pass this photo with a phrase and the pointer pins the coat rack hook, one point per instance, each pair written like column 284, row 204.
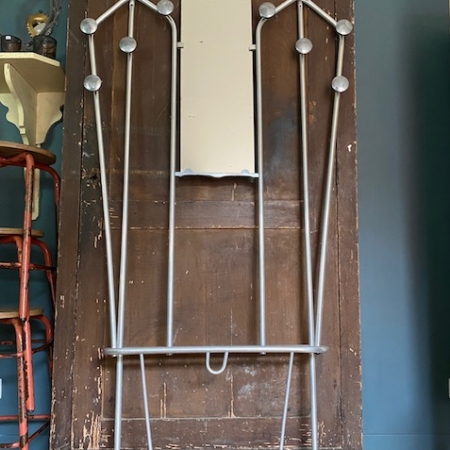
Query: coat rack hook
column 222, row 369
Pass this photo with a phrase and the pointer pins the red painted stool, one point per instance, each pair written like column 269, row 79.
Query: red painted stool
column 23, row 346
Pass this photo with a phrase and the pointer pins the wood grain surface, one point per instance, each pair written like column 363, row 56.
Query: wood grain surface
column 216, row 247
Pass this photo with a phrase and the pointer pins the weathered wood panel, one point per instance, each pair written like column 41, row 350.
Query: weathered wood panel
column 346, row 182
column 69, row 232
column 216, row 267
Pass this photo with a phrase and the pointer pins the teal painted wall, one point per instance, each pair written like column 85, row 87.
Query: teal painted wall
column 403, row 87
column 12, row 21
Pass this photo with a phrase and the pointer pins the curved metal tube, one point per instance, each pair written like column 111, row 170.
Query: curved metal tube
column 124, row 240
column 319, row 11
column 150, row 5
column 105, row 201
column 327, row 200
column 126, row 184
column 307, row 231
column 305, row 183
column 284, row 5
column 146, row 407
column 286, row 401
column 172, row 169
column 222, row 368
column 261, row 243
column 111, row 11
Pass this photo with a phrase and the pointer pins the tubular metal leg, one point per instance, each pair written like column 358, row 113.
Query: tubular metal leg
column 119, row 401
column 286, row 401
column 313, row 394
column 146, row 407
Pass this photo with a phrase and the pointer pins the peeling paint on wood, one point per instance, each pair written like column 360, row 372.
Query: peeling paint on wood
column 215, row 268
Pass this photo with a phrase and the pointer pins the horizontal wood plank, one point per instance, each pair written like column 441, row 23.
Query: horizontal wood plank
column 248, row 433
column 207, row 214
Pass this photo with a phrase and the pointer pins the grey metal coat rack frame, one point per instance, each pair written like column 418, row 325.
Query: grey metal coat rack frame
column 314, row 292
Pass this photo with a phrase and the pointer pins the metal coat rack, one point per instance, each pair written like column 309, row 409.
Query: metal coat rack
column 315, row 303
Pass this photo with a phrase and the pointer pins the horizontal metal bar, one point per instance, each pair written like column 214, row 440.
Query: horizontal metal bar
column 18, row 265
column 203, row 350
column 15, row 418
column 186, row 173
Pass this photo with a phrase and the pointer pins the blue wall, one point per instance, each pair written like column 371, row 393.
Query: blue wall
column 403, row 87
column 12, row 21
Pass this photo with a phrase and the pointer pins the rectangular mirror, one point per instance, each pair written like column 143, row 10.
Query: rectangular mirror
column 216, row 91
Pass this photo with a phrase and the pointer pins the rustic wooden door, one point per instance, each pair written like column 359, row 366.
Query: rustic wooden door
column 215, row 246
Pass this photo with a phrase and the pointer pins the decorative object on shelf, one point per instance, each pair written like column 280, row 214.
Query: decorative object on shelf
column 43, row 24
column 36, row 23
column 55, row 10
column 45, row 46
column 10, row 43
